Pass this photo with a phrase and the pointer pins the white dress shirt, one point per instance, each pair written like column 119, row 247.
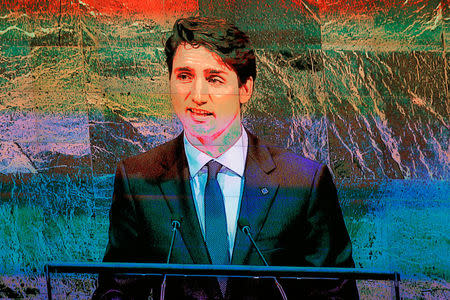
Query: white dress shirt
column 230, row 179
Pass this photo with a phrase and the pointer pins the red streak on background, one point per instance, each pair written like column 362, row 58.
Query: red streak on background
column 174, row 7
column 108, row 7
column 144, row 7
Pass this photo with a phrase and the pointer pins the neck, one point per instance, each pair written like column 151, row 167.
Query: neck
column 216, row 146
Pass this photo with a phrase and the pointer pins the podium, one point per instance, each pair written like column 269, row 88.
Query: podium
column 220, row 270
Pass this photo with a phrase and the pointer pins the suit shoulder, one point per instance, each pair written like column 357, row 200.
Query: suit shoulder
column 294, row 166
column 151, row 163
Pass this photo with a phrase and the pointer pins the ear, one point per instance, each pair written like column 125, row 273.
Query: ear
column 246, row 91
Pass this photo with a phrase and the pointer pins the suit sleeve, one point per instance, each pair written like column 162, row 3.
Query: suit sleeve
column 327, row 243
column 123, row 244
column 123, row 235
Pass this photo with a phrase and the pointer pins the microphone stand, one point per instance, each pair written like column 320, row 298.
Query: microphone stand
column 175, row 226
column 246, row 230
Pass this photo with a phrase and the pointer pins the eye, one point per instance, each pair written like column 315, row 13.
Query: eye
column 215, row 80
column 184, row 76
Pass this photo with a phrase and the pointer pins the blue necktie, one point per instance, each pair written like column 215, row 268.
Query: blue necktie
column 215, row 221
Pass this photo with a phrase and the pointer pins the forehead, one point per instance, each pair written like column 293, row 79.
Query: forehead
column 188, row 55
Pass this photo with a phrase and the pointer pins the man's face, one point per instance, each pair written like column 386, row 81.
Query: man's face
column 205, row 93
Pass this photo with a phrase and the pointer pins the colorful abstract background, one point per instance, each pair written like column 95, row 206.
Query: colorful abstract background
column 359, row 85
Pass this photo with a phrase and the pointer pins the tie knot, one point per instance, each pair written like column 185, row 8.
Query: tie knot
column 213, row 169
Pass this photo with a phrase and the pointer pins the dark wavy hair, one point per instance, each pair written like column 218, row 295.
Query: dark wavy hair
column 219, row 36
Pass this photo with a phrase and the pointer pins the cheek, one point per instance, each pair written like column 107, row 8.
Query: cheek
column 225, row 91
column 176, row 99
column 228, row 103
column 178, row 95
column 179, row 88
column 177, row 103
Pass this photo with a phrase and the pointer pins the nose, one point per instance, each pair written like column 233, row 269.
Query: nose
column 199, row 92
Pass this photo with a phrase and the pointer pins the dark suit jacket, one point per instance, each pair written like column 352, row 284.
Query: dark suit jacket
column 289, row 201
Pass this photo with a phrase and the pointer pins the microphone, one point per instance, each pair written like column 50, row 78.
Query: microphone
column 176, row 224
column 244, row 225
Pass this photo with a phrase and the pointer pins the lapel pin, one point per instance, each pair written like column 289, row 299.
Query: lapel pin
column 264, row 191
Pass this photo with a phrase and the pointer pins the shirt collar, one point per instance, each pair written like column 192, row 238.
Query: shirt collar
column 233, row 159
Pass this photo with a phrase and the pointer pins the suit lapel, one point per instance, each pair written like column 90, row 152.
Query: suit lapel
column 259, row 192
column 176, row 189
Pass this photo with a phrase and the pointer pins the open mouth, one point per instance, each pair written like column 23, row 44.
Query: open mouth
column 200, row 112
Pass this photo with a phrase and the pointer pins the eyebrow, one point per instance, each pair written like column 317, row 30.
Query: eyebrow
column 207, row 71
column 214, row 71
column 183, row 69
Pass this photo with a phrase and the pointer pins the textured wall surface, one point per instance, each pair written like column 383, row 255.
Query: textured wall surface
column 359, row 85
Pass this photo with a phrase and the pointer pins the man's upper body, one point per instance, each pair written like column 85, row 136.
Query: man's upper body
column 289, row 202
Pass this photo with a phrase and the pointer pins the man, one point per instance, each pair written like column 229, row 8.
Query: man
column 215, row 175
